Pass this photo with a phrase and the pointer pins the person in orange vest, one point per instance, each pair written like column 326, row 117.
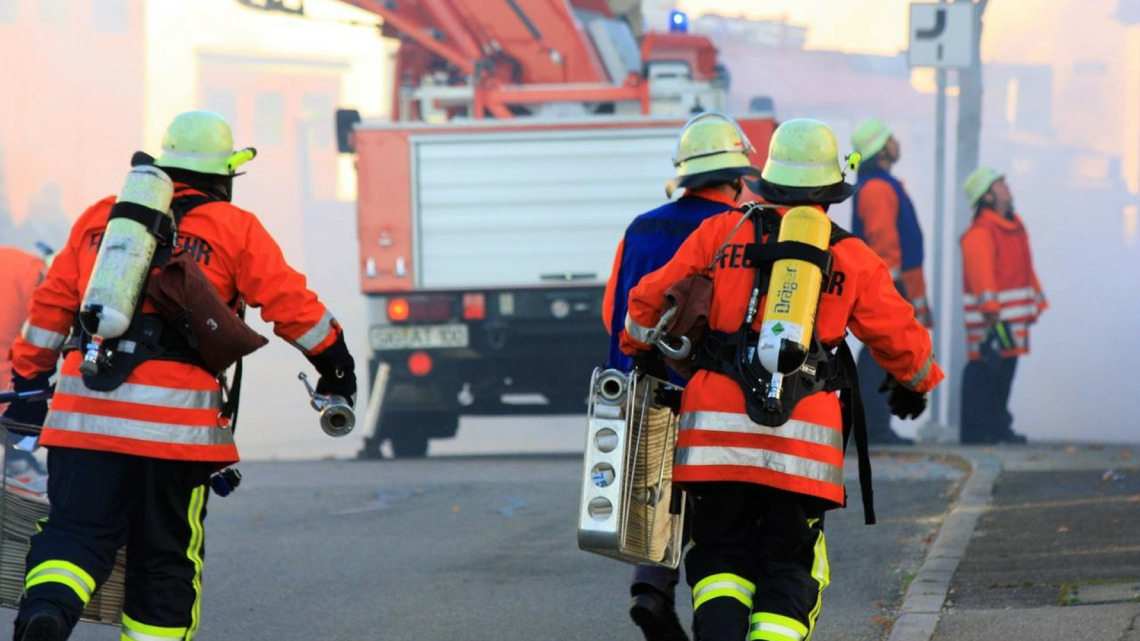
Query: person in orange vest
column 712, row 160
column 758, row 563
column 22, row 272
column 885, row 218
column 131, row 448
column 1002, row 298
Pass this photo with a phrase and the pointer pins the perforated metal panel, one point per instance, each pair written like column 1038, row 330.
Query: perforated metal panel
column 526, row 208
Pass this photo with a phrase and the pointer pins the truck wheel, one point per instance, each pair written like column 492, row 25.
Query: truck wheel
column 409, row 445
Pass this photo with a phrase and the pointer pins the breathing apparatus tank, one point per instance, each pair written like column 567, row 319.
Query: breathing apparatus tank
column 793, row 298
column 123, row 262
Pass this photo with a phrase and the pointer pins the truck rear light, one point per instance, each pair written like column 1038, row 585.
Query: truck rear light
column 419, row 364
column 474, row 307
column 398, row 309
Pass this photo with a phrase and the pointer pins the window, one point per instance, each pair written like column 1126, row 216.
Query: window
column 53, row 11
column 222, row 101
column 268, row 119
column 111, row 16
column 8, row 11
column 317, row 110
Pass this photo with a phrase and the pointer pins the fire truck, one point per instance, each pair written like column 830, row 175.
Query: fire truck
column 524, row 137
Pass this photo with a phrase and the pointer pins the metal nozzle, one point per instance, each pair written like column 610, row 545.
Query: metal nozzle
column 336, row 415
column 775, row 391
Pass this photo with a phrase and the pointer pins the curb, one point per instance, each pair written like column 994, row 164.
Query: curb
column 922, row 605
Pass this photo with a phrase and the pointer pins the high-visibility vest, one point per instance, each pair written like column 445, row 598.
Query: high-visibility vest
column 165, row 409
column 999, row 283
column 718, row 441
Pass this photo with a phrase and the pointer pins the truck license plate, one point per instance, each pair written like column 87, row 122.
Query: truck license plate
column 424, row 336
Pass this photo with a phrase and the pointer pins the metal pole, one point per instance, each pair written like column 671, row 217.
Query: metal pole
column 940, row 402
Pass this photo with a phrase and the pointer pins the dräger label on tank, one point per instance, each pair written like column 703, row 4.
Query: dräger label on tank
column 787, row 291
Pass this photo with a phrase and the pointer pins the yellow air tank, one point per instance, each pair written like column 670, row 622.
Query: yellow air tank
column 793, row 297
column 123, row 262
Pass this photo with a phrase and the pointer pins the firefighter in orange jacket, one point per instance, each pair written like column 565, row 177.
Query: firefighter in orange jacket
column 1002, row 299
column 758, row 562
column 21, row 273
column 131, row 464
column 885, row 218
column 712, row 160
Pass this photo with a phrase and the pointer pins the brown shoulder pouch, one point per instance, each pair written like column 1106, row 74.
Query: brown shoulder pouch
column 184, row 296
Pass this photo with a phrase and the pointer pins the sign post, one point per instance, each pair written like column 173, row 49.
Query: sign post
column 941, row 36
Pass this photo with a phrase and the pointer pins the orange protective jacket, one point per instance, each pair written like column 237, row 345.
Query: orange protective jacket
column 20, row 272
column 878, row 209
column 999, row 282
column 165, row 409
column 718, row 441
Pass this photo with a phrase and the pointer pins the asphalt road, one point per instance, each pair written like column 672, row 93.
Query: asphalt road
column 484, row 548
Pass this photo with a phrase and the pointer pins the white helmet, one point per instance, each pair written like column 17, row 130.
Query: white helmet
column 201, row 141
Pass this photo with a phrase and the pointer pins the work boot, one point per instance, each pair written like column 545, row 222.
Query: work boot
column 656, row 617
column 44, row 625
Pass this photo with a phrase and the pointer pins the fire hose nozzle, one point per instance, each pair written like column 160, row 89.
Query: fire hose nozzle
column 336, row 415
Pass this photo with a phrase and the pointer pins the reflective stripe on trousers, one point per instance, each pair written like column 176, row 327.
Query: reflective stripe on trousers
column 723, row 585
column 768, row 626
column 65, row 573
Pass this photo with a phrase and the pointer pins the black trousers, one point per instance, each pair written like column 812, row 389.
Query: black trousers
column 758, row 563
column 986, row 385
column 875, row 406
column 101, row 501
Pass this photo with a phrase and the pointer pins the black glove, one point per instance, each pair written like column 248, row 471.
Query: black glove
column 905, row 403
column 651, row 363
column 29, row 412
column 669, row 397
column 337, row 370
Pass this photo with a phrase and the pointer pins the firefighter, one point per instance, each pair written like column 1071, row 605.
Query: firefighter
column 711, row 161
column 758, row 562
column 1002, row 298
column 131, row 465
column 22, row 272
column 884, row 217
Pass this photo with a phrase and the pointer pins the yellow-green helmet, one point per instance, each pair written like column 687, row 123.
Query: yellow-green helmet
column 870, row 137
column 978, row 183
column 201, row 141
column 711, row 149
column 803, row 166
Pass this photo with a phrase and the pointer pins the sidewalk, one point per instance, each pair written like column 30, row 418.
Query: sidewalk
column 1043, row 544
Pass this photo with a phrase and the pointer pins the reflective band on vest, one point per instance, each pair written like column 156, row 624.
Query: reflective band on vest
column 740, row 423
column 315, row 336
column 144, row 394
column 141, row 430
column 760, row 458
column 142, row 632
column 42, row 338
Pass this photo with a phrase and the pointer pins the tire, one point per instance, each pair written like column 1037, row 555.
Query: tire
column 409, row 445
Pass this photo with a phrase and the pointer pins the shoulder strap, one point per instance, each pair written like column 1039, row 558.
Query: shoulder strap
column 838, row 233
column 180, row 206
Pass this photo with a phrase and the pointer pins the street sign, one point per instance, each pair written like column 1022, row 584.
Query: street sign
column 941, row 35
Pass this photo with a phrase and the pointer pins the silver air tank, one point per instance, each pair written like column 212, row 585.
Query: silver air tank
column 123, row 262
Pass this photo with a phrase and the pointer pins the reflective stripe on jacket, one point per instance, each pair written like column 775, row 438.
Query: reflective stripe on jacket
column 20, row 272
column 165, row 409
column 718, row 442
column 884, row 217
column 649, row 242
column 999, row 283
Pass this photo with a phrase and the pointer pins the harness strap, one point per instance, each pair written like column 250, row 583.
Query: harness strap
column 157, row 223
column 854, row 420
column 768, row 253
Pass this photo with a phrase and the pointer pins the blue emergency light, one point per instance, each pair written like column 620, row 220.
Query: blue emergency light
column 678, row 22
